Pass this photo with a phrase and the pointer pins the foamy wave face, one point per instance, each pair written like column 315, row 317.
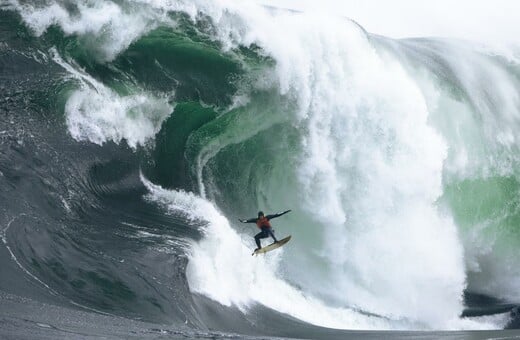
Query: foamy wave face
column 98, row 114
column 370, row 170
column 106, row 28
column 222, row 268
column 481, row 171
column 99, row 117
column 370, row 173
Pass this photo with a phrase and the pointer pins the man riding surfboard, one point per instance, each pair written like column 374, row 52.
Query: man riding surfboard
column 262, row 222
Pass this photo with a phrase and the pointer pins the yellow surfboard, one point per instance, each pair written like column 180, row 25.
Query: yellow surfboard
column 272, row 246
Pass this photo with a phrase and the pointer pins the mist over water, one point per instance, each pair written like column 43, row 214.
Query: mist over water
column 398, row 158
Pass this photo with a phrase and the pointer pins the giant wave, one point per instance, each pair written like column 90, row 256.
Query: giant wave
column 146, row 128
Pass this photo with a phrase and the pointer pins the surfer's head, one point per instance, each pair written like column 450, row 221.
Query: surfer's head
column 260, row 214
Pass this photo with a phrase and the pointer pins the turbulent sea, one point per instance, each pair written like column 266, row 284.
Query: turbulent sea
column 135, row 133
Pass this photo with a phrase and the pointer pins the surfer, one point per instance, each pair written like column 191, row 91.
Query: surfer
column 262, row 222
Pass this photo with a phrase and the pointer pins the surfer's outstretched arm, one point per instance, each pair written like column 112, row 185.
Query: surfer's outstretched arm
column 251, row 220
column 269, row 217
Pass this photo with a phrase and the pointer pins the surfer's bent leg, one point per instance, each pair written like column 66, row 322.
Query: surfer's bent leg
column 262, row 234
column 271, row 233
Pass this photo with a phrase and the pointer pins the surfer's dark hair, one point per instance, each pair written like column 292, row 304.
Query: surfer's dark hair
column 260, row 213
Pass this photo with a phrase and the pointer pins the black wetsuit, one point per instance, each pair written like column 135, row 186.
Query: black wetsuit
column 266, row 231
